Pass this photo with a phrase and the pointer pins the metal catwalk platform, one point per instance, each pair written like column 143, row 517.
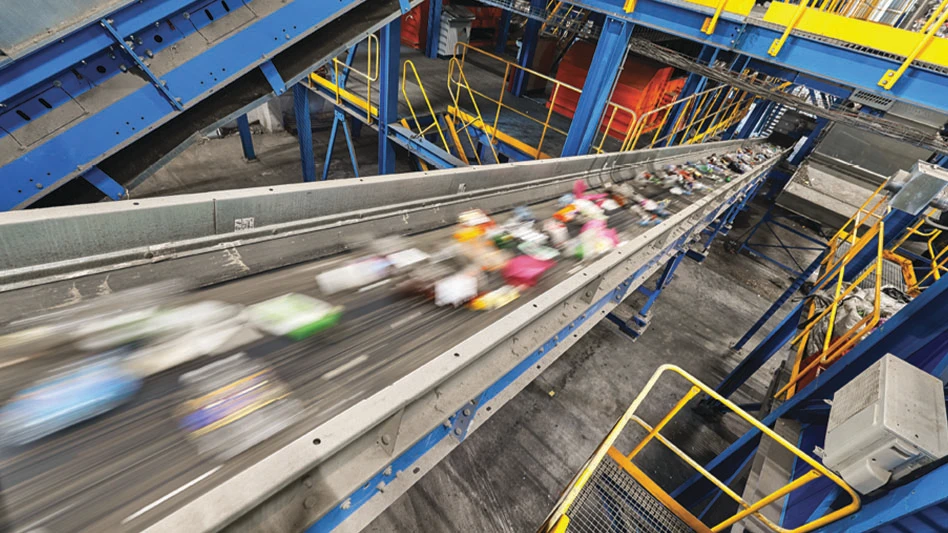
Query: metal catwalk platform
column 425, row 376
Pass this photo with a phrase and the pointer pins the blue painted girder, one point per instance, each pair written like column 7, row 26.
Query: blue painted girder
column 820, row 60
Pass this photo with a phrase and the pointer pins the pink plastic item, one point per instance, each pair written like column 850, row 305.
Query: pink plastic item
column 579, row 187
column 525, row 270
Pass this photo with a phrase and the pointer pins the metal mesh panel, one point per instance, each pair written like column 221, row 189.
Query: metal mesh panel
column 613, row 501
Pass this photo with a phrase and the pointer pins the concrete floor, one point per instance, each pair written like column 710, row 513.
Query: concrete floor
column 508, row 474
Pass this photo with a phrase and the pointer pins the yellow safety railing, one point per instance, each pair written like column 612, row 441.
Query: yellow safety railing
column 563, row 517
column 835, row 345
column 477, row 120
column 370, row 76
column 367, row 78
column 938, row 262
column 422, row 131
column 867, row 23
column 501, row 104
column 870, row 213
column 733, row 105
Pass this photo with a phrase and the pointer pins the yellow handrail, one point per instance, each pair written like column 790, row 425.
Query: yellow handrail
column 606, row 449
column 559, row 87
column 456, row 96
column 411, row 109
column 834, row 349
column 928, row 34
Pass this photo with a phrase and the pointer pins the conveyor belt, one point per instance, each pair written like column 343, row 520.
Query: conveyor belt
column 127, row 469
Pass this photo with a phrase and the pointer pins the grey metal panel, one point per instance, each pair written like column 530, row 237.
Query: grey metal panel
column 873, row 152
column 27, row 24
column 55, row 235
column 50, row 235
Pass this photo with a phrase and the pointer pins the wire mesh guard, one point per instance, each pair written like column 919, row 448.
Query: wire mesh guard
column 613, row 501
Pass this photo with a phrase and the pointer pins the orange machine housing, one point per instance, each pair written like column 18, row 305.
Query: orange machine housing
column 643, row 85
column 415, row 23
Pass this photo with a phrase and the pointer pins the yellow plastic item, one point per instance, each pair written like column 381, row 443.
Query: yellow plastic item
column 468, row 233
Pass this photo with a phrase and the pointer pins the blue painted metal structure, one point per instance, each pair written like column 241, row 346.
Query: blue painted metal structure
column 528, row 48
column 769, row 221
column 304, row 131
column 102, row 181
column 339, row 118
column 601, row 78
column 246, row 140
column 503, row 32
column 131, row 38
column 639, row 322
column 389, row 43
column 435, row 8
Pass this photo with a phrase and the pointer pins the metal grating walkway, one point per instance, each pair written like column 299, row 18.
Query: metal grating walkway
column 612, row 501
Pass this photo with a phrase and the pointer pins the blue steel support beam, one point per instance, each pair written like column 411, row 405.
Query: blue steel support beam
column 917, row 329
column 304, row 131
column 750, row 123
column 528, row 48
column 800, row 79
column 339, row 119
column 844, row 66
column 769, row 115
column 246, row 140
column 389, row 42
column 603, row 72
column 797, row 157
column 919, row 507
column 434, row 28
column 503, row 32
column 102, row 181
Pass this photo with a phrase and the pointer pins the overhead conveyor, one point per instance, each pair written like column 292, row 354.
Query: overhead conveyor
column 109, row 91
column 425, row 376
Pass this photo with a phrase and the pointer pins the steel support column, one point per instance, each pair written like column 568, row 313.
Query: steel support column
column 528, row 48
column 246, row 140
column 635, row 327
column 304, row 131
column 797, row 157
column 606, row 65
column 434, row 29
column 503, row 33
column 389, row 42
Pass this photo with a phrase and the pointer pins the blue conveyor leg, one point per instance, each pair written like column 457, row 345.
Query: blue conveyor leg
column 389, row 42
column 304, row 131
column 246, row 140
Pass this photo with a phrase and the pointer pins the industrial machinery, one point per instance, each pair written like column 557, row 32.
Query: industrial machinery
column 386, row 394
column 885, row 424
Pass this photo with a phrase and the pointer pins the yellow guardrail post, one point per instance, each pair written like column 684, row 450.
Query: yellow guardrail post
column 711, row 23
column 797, row 15
column 411, row 109
column 929, row 31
